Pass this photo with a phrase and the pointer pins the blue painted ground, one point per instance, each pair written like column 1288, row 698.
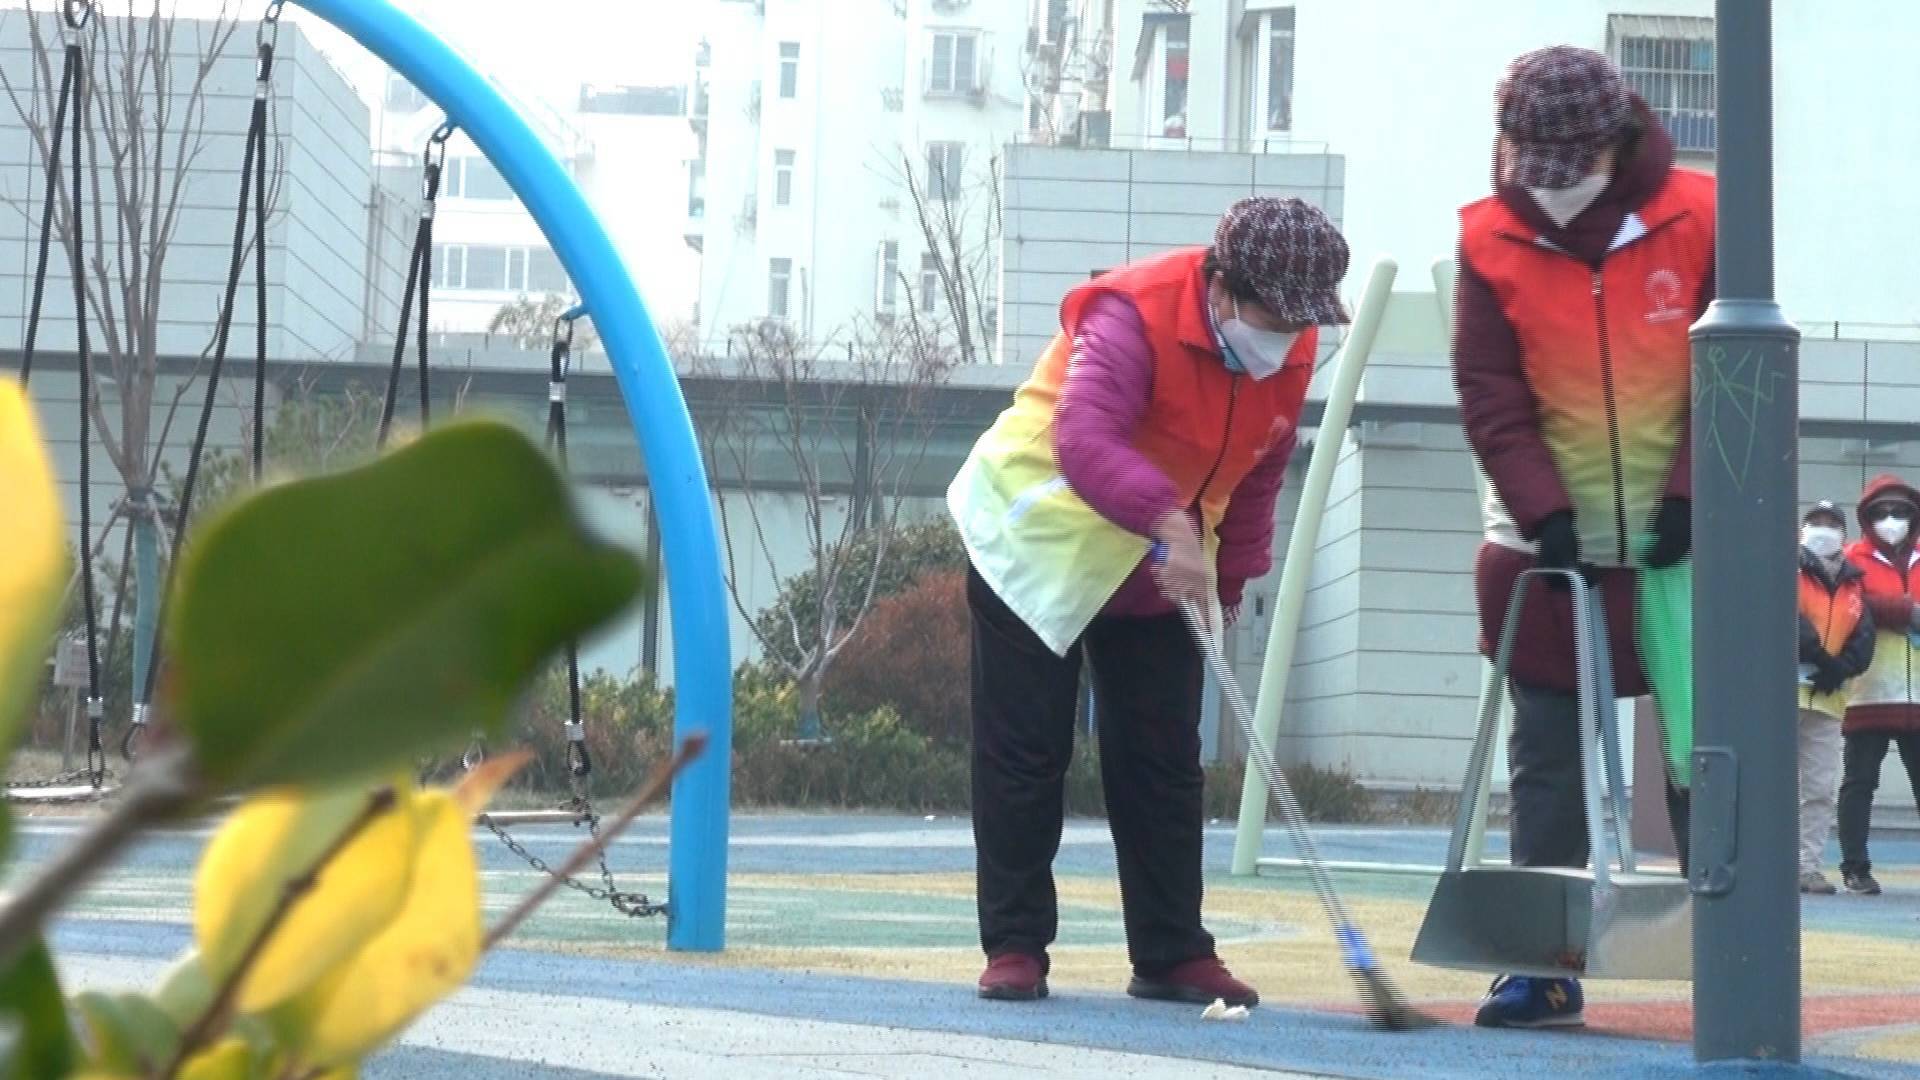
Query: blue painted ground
column 1273, row 1038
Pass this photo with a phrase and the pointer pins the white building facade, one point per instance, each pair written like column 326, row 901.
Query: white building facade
column 849, row 163
column 1402, row 90
column 620, row 126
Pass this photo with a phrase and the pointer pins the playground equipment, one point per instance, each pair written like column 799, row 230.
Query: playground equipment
column 1246, row 852
column 71, row 104
column 1606, row 921
column 698, row 836
column 1292, row 595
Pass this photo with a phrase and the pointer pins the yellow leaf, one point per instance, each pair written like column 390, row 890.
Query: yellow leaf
column 274, row 839
column 425, row 953
column 229, row 1059
column 478, row 787
column 33, row 554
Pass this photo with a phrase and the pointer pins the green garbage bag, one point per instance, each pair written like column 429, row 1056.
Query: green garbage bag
column 1664, row 631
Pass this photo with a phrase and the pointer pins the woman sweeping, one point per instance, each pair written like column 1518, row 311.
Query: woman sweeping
column 1136, row 468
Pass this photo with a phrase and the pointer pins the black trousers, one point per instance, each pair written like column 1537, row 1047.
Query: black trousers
column 1859, row 779
column 1547, row 788
column 1147, row 681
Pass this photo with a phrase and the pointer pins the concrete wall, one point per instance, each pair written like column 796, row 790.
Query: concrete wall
column 1070, row 212
column 315, row 239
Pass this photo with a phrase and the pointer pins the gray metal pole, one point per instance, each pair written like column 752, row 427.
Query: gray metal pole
column 1746, row 936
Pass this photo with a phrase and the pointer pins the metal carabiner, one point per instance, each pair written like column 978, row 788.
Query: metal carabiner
column 433, row 166
column 268, row 34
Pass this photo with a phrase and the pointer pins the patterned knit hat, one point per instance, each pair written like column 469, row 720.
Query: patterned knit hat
column 1559, row 108
column 1289, row 254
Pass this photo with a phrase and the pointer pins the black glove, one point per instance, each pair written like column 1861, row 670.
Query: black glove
column 1827, row 676
column 1559, row 545
column 1672, row 532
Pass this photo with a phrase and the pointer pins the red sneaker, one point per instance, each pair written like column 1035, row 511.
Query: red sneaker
column 1014, row 977
column 1196, row 982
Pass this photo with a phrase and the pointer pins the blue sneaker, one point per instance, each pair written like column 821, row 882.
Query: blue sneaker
column 1521, row 1001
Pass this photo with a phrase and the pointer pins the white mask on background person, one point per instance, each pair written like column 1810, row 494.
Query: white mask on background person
column 1259, row 353
column 1822, row 540
column 1565, row 204
column 1892, row 531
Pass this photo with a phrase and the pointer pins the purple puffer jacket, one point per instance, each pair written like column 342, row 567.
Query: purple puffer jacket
column 1108, row 388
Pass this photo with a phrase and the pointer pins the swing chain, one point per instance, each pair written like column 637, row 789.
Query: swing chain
column 631, row 904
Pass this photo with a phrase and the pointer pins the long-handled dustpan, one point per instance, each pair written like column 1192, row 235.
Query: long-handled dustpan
column 1607, row 920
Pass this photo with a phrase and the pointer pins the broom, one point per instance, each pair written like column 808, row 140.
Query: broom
column 1386, row 1007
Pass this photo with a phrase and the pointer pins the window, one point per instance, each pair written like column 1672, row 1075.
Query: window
column 954, row 65
column 789, row 69
column 1668, row 60
column 1056, row 28
column 697, row 188
column 634, row 100
column 486, row 268
column 1175, row 104
column 449, row 266
column 929, row 283
column 475, row 178
column 545, row 274
column 1280, row 70
column 403, row 96
column 498, row 268
column 886, row 294
column 779, row 278
column 783, row 178
column 946, row 164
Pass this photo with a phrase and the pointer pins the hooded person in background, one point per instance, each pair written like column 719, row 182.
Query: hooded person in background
column 1884, row 710
column 1836, row 645
column 1579, row 277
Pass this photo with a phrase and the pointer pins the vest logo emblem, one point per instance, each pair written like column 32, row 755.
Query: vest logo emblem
column 1664, row 295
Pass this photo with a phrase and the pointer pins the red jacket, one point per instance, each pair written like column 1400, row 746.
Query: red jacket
column 1544, row 441
column 1887, row 697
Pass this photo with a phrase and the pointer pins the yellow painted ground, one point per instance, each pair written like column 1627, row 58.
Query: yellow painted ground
column 1299, row 966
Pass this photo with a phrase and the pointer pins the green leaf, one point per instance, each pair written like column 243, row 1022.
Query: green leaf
column 185, row 990
column 128, row 1033
column 30, row 999
column 334, row 628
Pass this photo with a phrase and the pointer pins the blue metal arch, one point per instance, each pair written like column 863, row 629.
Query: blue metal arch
column 697, row 859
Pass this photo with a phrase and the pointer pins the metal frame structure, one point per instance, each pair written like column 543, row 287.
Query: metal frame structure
column 697, row 858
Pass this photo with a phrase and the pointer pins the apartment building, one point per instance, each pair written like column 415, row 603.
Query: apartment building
column 848, row 164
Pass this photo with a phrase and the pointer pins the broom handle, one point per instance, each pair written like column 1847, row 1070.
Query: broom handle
column 1290, row 811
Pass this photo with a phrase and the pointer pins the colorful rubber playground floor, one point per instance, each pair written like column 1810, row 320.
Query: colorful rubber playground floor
column 852, row 953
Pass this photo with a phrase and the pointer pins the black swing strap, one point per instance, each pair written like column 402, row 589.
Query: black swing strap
column 76, row 15
column 252, row 187
column 419, row 284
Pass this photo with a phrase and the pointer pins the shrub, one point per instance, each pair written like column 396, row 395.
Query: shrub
column 911, row 655
column 870, row 762
column 911, row 551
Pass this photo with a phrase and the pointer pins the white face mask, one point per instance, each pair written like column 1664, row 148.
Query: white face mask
column 1259, row 353
column 1892, row 531
column 1822, row 540
column 1565, row 204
